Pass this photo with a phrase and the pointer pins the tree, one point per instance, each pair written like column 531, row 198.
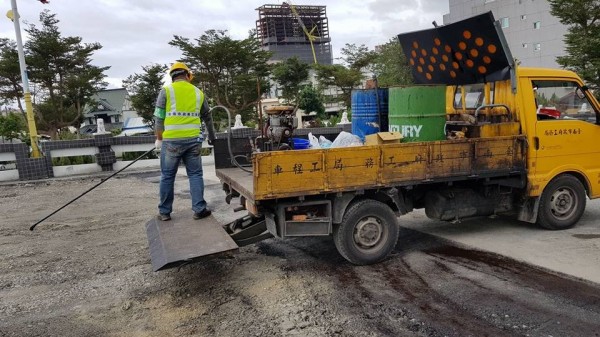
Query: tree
column 10, row 74
column 346, row 77
column 144, row 88
column 11, row 126
column 337, row 75
column 61, row 66
column 233, row 73
column 309, row 99
column 357, row 57
column 289, row 74
column 390, row 66
column 583, row 38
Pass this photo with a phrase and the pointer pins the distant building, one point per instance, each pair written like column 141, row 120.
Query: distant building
column 135, row 126
column 534, row 36
column 279, row 31
column 111, row 105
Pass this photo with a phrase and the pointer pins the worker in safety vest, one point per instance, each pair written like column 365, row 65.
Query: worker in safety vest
column 180, row 107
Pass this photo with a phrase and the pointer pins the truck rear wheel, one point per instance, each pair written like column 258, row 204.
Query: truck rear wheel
column 368, row 232
column 562, row 203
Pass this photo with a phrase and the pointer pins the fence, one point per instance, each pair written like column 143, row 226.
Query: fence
column 103, row 151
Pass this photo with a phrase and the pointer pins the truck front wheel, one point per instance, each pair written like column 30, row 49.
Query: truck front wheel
column 368, row 232
column 562, row 203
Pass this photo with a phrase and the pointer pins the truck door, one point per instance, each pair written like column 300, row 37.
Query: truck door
column 567, row 132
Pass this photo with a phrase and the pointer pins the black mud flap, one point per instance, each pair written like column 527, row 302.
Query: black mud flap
column 184, row 240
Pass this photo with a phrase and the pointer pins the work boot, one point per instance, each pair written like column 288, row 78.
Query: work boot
column 199, row 215
column 163, row 217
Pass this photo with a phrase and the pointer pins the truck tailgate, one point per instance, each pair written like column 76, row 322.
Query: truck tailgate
column 184, row 240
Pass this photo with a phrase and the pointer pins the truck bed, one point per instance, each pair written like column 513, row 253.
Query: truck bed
column 239, row 180
column 282, row 174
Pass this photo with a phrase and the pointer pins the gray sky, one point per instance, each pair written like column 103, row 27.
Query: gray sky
column 135, row 33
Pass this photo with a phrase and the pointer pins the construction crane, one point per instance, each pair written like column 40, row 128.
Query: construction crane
column 309, row 34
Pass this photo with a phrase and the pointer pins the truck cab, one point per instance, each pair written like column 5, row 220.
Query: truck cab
column 565, row 144
column 559, row 119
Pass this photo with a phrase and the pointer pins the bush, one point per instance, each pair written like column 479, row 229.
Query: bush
column 73, row 160
column 134, row 155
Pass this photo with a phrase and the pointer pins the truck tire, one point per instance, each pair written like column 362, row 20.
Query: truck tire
column 562, row 203
column 368, row 232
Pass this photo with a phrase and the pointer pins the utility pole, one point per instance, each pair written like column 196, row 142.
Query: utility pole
column 26, row 94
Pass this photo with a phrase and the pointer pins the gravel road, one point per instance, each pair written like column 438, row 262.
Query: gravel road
column 86, row 272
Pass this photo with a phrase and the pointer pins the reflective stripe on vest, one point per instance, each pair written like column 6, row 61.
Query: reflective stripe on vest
column 182, row 110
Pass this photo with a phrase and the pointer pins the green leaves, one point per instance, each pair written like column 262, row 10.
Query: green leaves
column 390, row 65
column 583, row 38
column 144, row 88
column 11, row 126
column 232, row 73
column 357, row 57
column 290, row 74
column 337, row 75
column 61, row 69
column 10, row 73
column 387, row 63
column 310, row 99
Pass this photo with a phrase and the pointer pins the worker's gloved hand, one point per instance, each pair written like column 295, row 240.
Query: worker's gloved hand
column 158, row 145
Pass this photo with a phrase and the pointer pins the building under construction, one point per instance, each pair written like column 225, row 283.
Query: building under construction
column 280, row 30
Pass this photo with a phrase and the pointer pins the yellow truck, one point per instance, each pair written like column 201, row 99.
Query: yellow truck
column 523, row 144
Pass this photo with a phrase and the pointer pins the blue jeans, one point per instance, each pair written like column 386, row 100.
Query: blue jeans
column 172, row 152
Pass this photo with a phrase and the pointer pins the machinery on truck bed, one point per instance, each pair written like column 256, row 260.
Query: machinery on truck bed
column 510, row 158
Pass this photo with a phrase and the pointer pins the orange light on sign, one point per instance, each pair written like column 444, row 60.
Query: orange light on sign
column 461, row 53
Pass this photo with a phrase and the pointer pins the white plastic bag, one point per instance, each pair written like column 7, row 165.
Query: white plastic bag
column 324, row 142
column 314, row 142
column 346, row 139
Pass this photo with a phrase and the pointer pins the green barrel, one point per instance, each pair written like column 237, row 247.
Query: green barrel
column 418, row 112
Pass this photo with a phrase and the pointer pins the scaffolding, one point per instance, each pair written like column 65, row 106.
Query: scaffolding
column 280, row 32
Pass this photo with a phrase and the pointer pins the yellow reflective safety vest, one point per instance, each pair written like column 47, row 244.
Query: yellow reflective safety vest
column 182, row 110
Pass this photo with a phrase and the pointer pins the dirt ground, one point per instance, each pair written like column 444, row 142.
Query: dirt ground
column 86, row 272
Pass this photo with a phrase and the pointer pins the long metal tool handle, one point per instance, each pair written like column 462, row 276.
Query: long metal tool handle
column 84, row 193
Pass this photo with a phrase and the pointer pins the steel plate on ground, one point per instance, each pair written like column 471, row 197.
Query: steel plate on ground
column 184, row 240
